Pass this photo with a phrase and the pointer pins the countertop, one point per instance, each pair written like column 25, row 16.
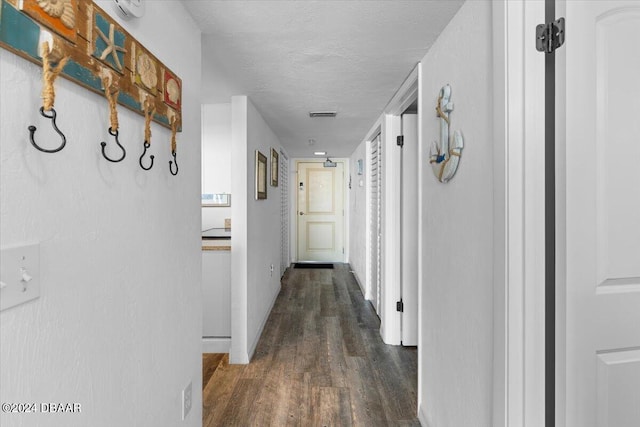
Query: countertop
column 216, row 239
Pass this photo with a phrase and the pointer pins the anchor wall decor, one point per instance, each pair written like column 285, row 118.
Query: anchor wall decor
column 445, row 156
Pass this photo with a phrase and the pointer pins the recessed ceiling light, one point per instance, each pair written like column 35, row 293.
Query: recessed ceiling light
column 320, row 153
column 322, row 113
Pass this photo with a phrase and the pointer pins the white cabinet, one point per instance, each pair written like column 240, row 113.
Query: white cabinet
column 216, row 293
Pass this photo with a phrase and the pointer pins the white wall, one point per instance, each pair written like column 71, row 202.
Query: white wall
column 357, row 216
column 457, row 292
column 216, row 160
column 255, row 247
column 118, row 325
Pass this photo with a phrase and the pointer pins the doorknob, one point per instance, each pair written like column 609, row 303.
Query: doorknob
column 301, row 213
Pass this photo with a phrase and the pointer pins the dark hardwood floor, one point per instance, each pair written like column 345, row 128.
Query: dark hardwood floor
column 319, row 362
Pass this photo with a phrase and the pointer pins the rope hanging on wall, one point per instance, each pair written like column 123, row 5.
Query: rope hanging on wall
column 174, row 129
column 49, row 75
column 149, row 109
column 111, row 92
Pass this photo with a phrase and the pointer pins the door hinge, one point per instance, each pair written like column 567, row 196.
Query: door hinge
column 400, row 140
column 400, row 306
column 550, row 36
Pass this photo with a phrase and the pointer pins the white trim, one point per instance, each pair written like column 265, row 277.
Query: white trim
column 254, row 344
column 216, row 345
column 406, row 94
column 360, row 284
column 422, row 154
column 390, row 319
column 422, row 416
column 561, row 226
column 239, row 244
column 518, row 216
column 390, row 271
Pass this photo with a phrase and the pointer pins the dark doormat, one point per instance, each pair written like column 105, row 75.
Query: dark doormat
column 312, row 265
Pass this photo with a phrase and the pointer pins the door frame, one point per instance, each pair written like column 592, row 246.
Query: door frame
column 519, row 200
column 390, row 318
column 293, row 205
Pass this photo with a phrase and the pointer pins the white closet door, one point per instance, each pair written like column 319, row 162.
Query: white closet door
column 601, row 200
column 375, row 227
column 284, row 212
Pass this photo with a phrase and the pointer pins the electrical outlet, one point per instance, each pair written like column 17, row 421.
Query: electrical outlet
column 186, row 401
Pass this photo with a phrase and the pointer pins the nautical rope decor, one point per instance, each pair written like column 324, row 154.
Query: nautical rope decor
column 174, row 128
column 111, row 92
column 445, row 157
column 49, row 75
column 79, row 41
column 93, row 43
column 149, row 109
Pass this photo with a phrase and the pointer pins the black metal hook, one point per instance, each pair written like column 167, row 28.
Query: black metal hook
column 104, row 144
column 32, row 131
column 173, row 153
column 146, row 146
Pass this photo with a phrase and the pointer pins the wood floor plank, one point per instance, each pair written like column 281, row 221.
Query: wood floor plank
column 210, row 362
column 217, row 393
column 319, row 362
column 299, row 408
column 331, row 406
column 366, row 400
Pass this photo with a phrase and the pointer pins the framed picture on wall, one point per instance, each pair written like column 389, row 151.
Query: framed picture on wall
column 275, row 167
column 261, row 176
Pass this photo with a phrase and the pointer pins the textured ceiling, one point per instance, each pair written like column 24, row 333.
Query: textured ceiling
column 292, row 57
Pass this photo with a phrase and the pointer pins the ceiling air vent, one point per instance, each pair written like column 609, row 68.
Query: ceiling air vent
column 322, row 113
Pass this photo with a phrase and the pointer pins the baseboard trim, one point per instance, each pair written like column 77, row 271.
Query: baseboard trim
column 422, row 417
column 362, row 290
column 252, row 349
column 216, row 345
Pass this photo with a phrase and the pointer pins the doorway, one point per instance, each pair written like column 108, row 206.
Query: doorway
column 320, row 211
column 409, row 227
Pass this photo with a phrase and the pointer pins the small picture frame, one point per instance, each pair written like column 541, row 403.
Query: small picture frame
column 360, row 166
column 261, row 176
column 216, row 200
column 275, row 167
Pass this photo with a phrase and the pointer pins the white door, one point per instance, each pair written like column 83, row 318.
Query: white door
column 409, row 229
column 601, row 203
column 375, row 227
column 284, row 212
column 320, row 212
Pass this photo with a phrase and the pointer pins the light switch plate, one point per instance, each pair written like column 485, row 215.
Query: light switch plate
column 20, row 275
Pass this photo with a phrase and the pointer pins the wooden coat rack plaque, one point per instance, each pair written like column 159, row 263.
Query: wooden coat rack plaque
column 97, row 47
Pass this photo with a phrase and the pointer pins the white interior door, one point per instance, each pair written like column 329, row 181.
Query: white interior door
column 375, row 227
column 601, row 225
column 320, row 212
column 409, row 215
column 284, row 211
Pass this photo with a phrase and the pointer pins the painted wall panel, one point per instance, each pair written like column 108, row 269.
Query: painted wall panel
column 358, row 215
column 457, row 314
column 256, row 232
column 118, row 325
